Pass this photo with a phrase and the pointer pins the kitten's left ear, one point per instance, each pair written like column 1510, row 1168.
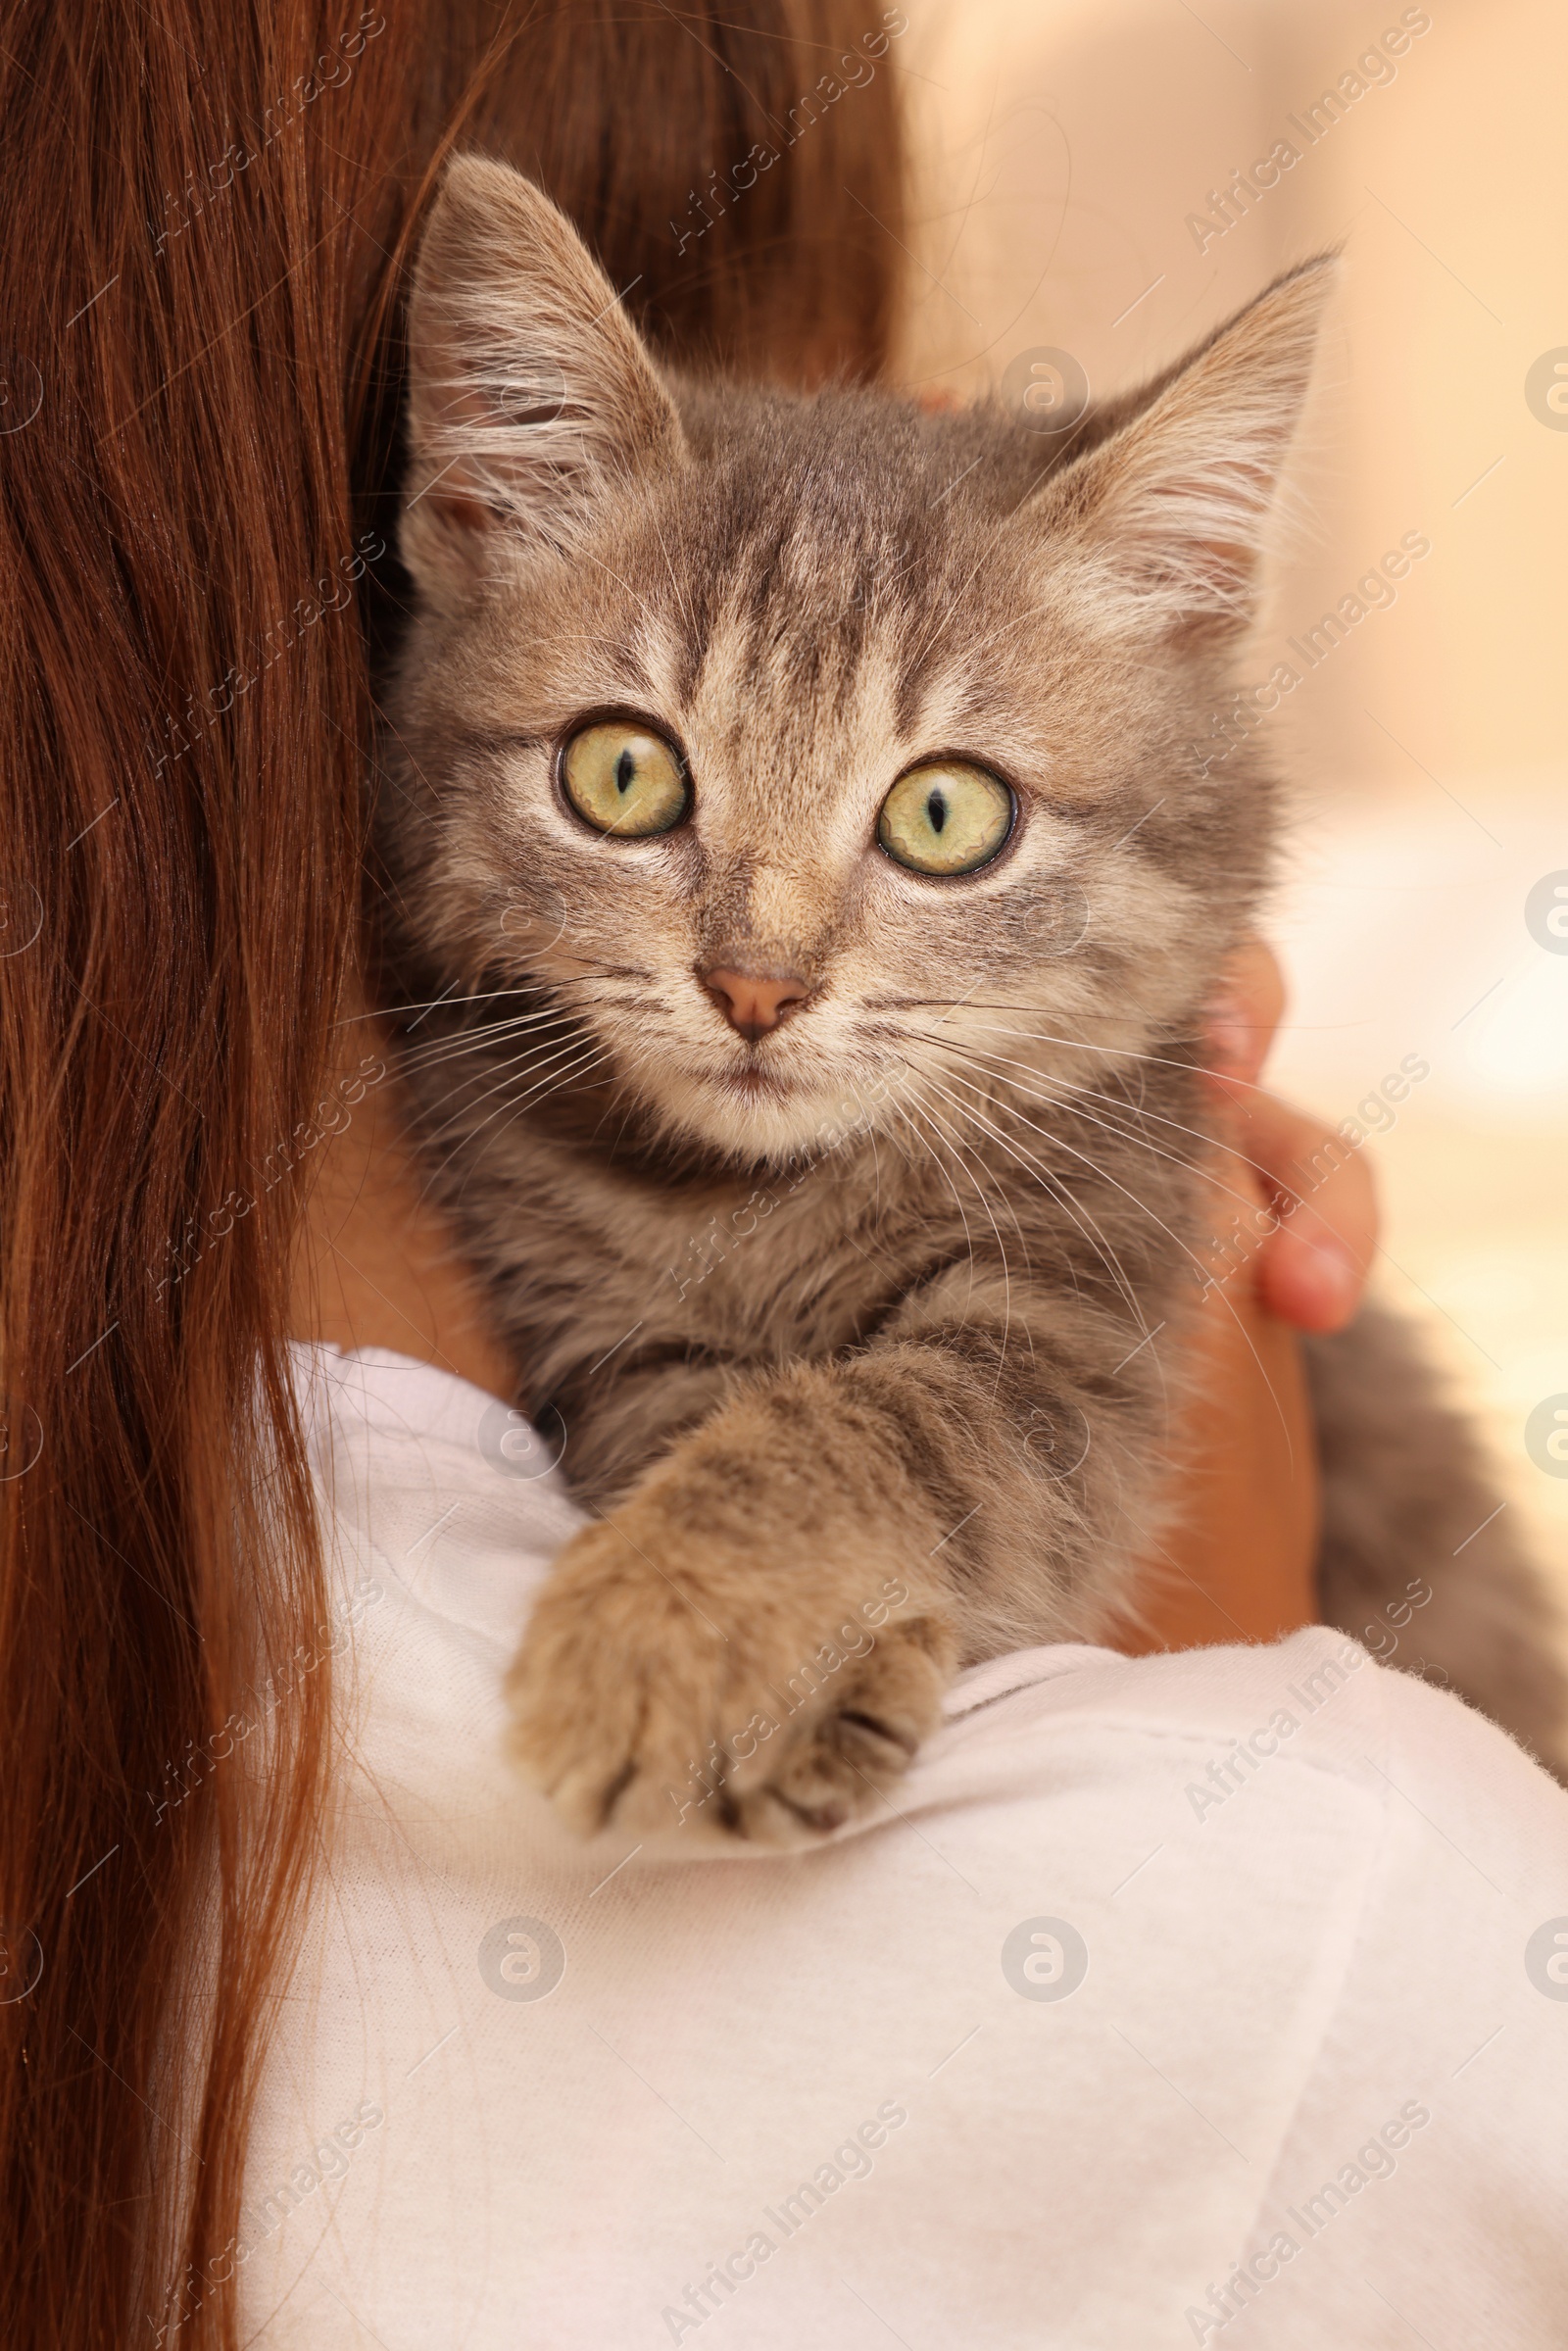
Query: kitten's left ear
column 1172, row 505
column 531, row 396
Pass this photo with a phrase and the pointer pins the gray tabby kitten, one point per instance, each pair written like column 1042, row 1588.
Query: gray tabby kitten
column 790, row 809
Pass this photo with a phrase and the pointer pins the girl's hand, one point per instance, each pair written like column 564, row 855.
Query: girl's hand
column 1310, row 1272
column 1234, row 1560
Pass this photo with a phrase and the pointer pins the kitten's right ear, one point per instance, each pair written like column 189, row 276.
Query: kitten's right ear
column 1172, row 506
column 530, row 393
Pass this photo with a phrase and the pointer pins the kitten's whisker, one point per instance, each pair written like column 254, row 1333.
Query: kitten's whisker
column 1105, row 1177
column 1205, row 1171
column 1077, row 1044
column 484, row 996
column 489, row 1054
column 1194, row 1167
column 1073, row 1097
column 555, row 1085
column 522, row 1065
column 1061, row 1142
column 519, row 1072
column 484, row 1039
column 963, row 1148
column 1087, row 1224
column 623, row 1098
column 930, row 1156
column 1089, row 1230
column 1134, row 1109
column 1002, row 1252
column 533, row 1096
column 1084, row 1223
column 540, row 1014
column 534, row 1008
column 877, row 1167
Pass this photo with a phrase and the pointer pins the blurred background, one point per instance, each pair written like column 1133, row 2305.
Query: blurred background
column 1075, row 190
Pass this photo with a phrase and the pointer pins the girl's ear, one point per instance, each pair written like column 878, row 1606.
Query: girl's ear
column 1171, row 505
column 531, row 396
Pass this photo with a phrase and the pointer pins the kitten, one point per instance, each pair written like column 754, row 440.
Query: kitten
column 791, row 816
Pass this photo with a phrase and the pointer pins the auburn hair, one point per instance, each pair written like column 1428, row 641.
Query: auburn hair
column 209, row 209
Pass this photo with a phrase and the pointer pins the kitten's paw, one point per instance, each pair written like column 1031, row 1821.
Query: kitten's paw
column 662, row 1685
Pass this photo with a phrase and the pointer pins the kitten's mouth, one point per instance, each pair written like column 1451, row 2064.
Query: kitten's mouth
column 754, row 1082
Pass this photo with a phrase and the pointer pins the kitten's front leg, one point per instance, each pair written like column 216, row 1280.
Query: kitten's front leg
column 758, row 1637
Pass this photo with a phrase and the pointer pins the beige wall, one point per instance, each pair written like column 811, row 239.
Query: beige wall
column 1062, row 147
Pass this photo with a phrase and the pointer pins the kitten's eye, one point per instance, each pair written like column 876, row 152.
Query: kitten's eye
column 625, row 780
column 946, row 817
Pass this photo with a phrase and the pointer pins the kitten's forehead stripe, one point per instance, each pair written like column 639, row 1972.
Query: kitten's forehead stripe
column 829, row 519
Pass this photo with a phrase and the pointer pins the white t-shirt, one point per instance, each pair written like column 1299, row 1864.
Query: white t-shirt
column 1219, row 1998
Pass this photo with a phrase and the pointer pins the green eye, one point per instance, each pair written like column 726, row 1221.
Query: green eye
column 622, row 779
column 946, row 817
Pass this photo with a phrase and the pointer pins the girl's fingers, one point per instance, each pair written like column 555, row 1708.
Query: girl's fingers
column 1311, row 1282
column 1312, row 1270
column 1242, row 1017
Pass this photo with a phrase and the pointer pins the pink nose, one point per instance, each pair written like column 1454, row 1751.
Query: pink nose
column 754, row 1002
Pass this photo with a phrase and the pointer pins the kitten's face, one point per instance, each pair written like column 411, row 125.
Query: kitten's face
column 751, row 624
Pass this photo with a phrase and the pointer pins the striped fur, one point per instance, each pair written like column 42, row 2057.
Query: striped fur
column 849, row 1326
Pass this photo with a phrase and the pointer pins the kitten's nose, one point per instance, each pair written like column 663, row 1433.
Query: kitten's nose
column 754, row 1002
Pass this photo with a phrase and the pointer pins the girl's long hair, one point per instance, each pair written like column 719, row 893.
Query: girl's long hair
column 207, row 209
